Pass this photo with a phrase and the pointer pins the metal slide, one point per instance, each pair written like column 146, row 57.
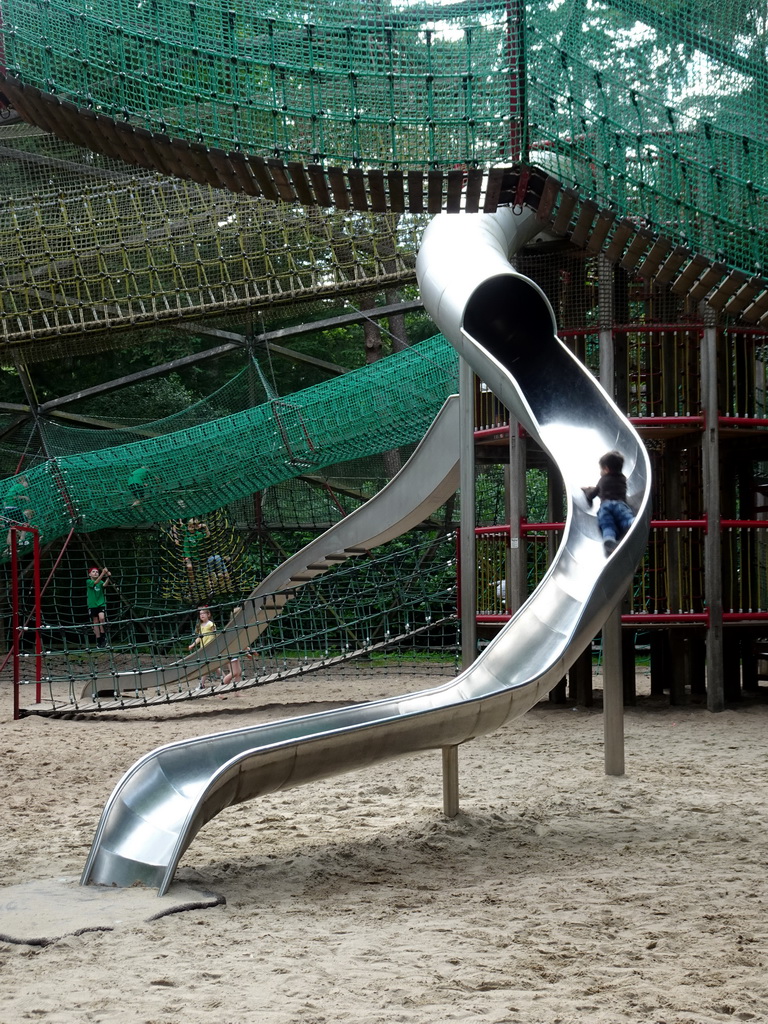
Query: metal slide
column 503, row 325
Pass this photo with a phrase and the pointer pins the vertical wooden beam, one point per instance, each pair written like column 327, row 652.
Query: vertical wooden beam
column 628, row 638
column 679, row 661
column 580, row 679
column 710, row 454
column 673, row 553
column 660, row 660
column 613, row 672
column 450, row 781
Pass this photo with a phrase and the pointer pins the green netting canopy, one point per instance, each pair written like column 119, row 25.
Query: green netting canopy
column 185, row 473
column 657, row 109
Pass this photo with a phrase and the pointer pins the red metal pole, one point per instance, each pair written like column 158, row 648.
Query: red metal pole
column 536, row 527
column 653, row 618
column 43, row 588
column 38, row 616
column 663, row 617
column 15, row 620
column 666, row 421
column 501, row 431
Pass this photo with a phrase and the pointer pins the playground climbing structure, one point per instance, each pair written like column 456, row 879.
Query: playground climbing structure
column 201, row 468
column 635, row 131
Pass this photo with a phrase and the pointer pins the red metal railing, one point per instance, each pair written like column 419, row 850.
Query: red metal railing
column 16, row 627
column 669, row 585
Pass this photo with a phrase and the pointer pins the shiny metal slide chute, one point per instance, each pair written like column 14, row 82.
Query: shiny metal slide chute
column 503, row 325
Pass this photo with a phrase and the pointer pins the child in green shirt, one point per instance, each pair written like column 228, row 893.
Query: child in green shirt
column 97, row 602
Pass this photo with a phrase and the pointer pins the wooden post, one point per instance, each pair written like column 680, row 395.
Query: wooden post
column 710, row 453
column 451, row 781
column 628, row 638
column 580, row 678
column 613, row 695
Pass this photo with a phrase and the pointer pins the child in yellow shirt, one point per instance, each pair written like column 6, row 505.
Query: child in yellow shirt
column 205, row 630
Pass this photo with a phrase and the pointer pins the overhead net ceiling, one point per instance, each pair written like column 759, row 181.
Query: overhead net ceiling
column 659, row 110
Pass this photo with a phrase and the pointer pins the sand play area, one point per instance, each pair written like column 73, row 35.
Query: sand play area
column 558, row 895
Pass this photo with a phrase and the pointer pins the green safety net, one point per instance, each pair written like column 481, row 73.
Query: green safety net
column 657, row 109
column 395, row 609
column 186, row 473
column 341, row 82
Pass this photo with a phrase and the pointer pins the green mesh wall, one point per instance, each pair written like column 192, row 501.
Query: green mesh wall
column 396, row 608
column 660, row 110
column 656, row 108
column 338, row 81
column 364, row 412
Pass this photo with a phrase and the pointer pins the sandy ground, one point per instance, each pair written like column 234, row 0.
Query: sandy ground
column 557, row 895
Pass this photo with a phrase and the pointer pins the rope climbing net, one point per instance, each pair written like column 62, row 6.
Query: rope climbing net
column 90, row 245
column 398, row 605
column 306, row 80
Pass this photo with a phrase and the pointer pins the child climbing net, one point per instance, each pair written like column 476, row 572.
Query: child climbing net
column 96, row 584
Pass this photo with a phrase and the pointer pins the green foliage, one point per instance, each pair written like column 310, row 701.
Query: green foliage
column 489, row 490
column 536, row 496
column 153, row 399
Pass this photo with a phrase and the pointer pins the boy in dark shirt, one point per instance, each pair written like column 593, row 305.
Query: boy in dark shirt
column 614, row 515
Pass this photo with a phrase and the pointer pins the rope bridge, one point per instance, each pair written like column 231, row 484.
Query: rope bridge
column 401, row 601
column 90, row 245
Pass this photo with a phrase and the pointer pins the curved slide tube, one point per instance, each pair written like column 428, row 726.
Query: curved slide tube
column 503, row 325
column 425, row 482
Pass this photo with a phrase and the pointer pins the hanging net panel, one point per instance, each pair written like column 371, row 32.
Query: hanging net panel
column 401, row 86
column 661, row 111
column 156, row 571
column 201, row 559
column 189, row 473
